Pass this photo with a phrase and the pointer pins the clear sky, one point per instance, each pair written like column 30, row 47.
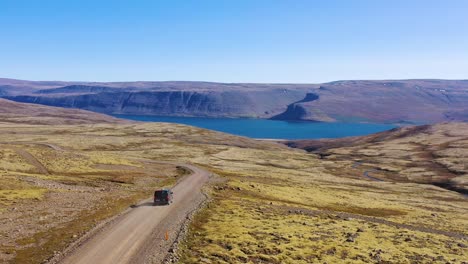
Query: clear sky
column 233, row 40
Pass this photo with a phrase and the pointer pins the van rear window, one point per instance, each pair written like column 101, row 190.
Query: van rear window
column 160, row 194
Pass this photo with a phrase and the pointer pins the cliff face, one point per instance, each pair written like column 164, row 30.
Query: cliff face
column 262, row 104
column 296, row 111
column 78, row 89
column 413, row 101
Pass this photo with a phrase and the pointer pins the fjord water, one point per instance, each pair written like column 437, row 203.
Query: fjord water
column 271, row 129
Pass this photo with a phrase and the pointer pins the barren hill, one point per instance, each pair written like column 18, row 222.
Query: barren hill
column 435, row 154
column 15, row 112
column 398, row 101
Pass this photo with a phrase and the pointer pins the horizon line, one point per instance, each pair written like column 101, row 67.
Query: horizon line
column 306, row 83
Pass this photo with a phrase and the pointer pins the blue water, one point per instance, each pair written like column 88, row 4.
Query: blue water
column 272, row 129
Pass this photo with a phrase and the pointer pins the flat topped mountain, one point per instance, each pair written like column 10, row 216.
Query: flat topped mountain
column 397, row 101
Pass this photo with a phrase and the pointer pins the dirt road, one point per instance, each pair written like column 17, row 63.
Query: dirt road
column 32, row 160
column 139, row 236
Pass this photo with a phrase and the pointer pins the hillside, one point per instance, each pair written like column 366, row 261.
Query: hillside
column 399, row 101
column 268, row 203
column 14, row 112
column 417, row 101
column 433, row 154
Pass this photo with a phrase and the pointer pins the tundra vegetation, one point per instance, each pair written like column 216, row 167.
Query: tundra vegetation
column 269, row 204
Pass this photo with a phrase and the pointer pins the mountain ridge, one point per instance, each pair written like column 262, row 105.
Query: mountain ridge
column 380, row 101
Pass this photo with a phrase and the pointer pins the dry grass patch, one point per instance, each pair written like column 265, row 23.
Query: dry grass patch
column 13, row 190
column 237, row 229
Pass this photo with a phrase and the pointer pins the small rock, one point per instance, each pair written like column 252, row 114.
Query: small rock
column 331, row 251
column 351, row 237
column 360, row 230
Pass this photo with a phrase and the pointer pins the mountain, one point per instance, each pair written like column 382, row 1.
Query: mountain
column 415, row 101
column 432, row 154
column 402, row 101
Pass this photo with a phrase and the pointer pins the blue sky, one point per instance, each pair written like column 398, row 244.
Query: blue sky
column 233, row 41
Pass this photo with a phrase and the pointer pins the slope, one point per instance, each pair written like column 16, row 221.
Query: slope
column 11, row 111
column 432, row 154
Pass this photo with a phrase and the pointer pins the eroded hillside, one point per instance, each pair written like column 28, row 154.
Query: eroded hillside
column 270, row 203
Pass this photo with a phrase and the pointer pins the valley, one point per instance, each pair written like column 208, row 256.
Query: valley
column 266, row 201
column 226, row 132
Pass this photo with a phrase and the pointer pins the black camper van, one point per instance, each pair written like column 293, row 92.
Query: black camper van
column 163, row 197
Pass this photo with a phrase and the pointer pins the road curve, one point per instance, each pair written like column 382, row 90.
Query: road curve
column 139, row 235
